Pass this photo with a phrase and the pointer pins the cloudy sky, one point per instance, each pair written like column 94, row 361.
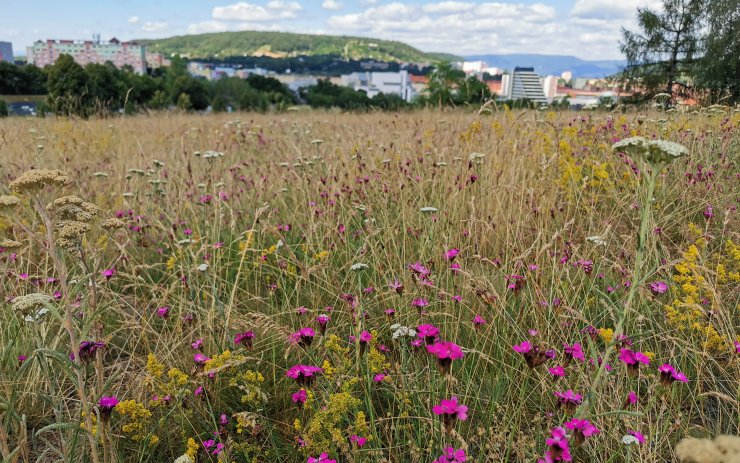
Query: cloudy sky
column 589, row 29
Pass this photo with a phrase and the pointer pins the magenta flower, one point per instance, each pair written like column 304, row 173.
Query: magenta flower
column 450, row 254
column 163, row 312
column 301, row 310
column 558, row 448
column 21, row 359
column 581, row 429
column 300, row 397
column 197, row 344
column 359, row 441
column 668, row 375
column 396, row 286
column 533, row 354
column 390, row 313
column 303, row 374
column 568, row 399
column 708, row 212
column 87, row 349
column 451, row 411
column 245, row 339
column 365, row 337
column 445, row 352
column 108, row 273
column 323, row 320
column 558, row 371
column 574, row 351
column 224, row 419
column 323, row 458
column 658, row 287
column 632, row 399
column 479, row 321
column 419, row 303
column 516, row 282
column 200, row 358
column 637, row 435
column 633, row 359
column 429, row 332
column 303, row 337
column 106, row 404
column 452, row 455
column 379, row 378
column 188, row 232
column 419, row 270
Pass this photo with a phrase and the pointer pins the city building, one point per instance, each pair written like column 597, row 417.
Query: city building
column 474, row 67
column 567, row 76
column 6, row 52
column 156, row 60
column 550, row 87
column 523, row 83
column 121, row 54
column 397, row 83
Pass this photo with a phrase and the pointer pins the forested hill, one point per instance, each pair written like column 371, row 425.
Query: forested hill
column 284, row 44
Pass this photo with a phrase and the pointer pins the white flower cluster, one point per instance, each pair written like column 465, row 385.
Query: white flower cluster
column 400, row 331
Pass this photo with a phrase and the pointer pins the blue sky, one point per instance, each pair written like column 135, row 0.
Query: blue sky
column 588, row 29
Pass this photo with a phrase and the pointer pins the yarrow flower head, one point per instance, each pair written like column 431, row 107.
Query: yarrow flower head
column 451, row 411
column 445, row 352
column 657, row 153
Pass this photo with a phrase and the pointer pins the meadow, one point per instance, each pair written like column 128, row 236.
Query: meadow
column 417, row 287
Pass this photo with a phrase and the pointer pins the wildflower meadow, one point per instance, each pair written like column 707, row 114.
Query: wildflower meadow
column 423, row 287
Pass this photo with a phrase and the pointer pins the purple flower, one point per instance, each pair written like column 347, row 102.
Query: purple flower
column 633, row 359
column 108, row 273
column 568, row 399
column 323, row 458
column 632, row 399
column 197, row 344
column 303, row 374
column 637, row 435
column 668, row 375
column 300, row 397
column 533, row 354
column 658, row 287
column 558, row 371
column 445, row 352
column 450, row 254
column 245, row 339
column 574, row 351
column 365, row 337
column 359, row 441
column 708, row 212
column 163, row 312
column 396, row 286
column 200, row 358
column 581, row 429
column 479, row 321
column 106, row 404
column 419, row 303
column 429, row 332
column 452, row 455
column 303, row 337
column 558, row 448
column 88, row 348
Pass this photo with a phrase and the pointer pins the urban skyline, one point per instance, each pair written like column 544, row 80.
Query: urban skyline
column 459, row 27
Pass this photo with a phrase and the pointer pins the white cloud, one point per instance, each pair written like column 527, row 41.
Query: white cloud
column 154, row 26
column 447, row 7
column 331, row 5
column 243, row 11
column 207, row 26
column 134, row 19
column 610, row 9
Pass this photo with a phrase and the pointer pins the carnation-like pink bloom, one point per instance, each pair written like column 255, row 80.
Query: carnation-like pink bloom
column 300, row 397
column 633, row 359
column 200, row 358
column 323, row 458
column 163, row 312
column 568, row 399
column 516, row 282
column 106, row 404
column 379, row 378
column 557, row 371
column 302, row 337
column 365, row 337
column 359, row 441
column 668, row 375
column 396, row 286
column 574, row 351
column 428, row 332
column 632, row 398
column 419, row 270
column 658, row 287
column 452, row 455
column 479, row 321
column 637, row 435
column 245, row 339
column 708, row 212
column 108, row 273
column 450, row 254
column 581, row 429
column 303, row 374
column 558, row 448
column 450, row 411
column 419, row 303
column 533, row 354
column 445, row 352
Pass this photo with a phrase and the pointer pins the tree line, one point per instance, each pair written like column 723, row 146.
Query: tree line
column 688, row 48
column 100, row 89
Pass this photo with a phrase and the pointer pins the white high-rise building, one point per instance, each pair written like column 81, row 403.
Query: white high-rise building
column 396, row 83
column 550, row 87
column 523, row 83
column 6, row 52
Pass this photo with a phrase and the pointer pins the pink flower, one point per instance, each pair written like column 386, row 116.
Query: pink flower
column 573, row 352
column 428, row 332
column 658, row 287
column 450, row 254
column 533, row 355
column 106, row 404
column 419, row 270
column 303, row 337
column 163, row 312
column 668, row 375
column 632, row 398
column 445, row 352
column 379, row 378
column 108, row 273
column 323, row 458
column 300, row 397
column 200, row 358
column 301, row 310
column 451, row 411
column 633, row 359
column 455, row 267
column 523, row 348
column 245, row 339
column 365, row 337
column 637, row 435
column 737, row 346
column 558, row 446
column 419, row 303
column 478, row 321
column 188, row 232
column 557, row 371
column 396, row 286
column 568, row 399
column 708, row 212
column 360, row 441
column 516, row 282
column 303, row 374
column 451, row 455
column 390, row 312
column 581, row 429
column 197, row 344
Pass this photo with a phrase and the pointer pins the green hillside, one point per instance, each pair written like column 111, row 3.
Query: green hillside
column 284, row 44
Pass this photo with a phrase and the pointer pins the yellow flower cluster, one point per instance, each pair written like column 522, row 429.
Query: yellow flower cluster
column 321, row 255
column 692, row 290
column 324, row 430
column 606, row 335
column 136, row 417
column 376, row 361
column 249, row 383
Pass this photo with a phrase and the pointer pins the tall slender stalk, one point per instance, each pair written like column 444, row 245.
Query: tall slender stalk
column 636, row 276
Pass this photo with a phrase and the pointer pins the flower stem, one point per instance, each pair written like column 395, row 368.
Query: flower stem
column 636, row 276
